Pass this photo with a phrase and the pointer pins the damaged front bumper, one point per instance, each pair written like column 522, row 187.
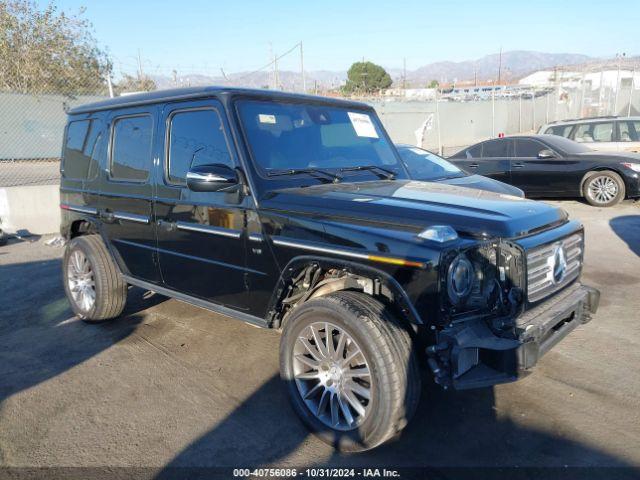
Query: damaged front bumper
column 471, row 355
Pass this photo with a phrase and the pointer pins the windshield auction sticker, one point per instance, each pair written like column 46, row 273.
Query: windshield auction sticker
column 363, row 125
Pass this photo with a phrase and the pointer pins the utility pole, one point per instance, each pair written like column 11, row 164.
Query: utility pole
column 493, row 113
column 500, row 65
column 174, row 74
column 438, row 122
column 615, row 101
column 304, row 82
column 140, row 72
column 581, row 113
column 633, row 77
column 520, row 112
column 404, row 73
column 110, row 86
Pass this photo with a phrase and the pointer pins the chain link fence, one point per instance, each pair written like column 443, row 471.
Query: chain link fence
column 32, row 125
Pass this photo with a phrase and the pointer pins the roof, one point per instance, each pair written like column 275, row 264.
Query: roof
column 592, row 119
column 204, row 92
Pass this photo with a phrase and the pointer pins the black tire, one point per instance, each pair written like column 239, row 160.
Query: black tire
column 596, row 180
column 109, row 288
column 388, row 350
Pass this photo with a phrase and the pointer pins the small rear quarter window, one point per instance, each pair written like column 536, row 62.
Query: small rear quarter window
column 77, row 151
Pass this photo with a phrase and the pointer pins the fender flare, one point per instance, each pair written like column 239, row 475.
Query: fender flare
column 400, row 297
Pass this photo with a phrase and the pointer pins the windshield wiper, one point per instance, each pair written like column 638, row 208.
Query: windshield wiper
column 380, row 171
column 335, row 178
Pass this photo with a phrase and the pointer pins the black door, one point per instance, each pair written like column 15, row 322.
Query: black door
column 125, row 204
column 490, row 159
column 539, row 177
column 201, row 235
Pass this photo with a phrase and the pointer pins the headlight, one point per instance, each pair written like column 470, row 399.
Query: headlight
column 633, row 166
column 459, row 279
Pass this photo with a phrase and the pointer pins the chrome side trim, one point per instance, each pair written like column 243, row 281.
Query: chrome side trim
column 256, row 237
column 131, row 217
column 314, row 248
column 80, row 209
column 208, row 177
column 194, row 227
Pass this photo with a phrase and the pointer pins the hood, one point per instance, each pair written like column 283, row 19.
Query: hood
column 483, row 183
column 418, row 204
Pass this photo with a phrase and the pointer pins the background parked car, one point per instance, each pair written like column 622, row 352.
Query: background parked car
column 553, row 166
column 600, row 133
column 427, row 166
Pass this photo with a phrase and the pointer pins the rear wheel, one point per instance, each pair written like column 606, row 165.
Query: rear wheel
column 350, row 370
column 92, row 282
column 603, row 189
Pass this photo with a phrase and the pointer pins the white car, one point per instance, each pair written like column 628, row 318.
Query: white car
column 613, row 134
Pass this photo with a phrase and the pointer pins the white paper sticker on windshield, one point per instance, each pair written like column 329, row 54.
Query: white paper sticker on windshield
column 264, row 118
column 363, row 125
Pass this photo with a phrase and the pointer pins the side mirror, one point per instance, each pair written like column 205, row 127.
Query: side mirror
column 212, row 178
column 546, row 153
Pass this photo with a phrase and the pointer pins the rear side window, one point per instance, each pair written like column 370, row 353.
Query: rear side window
column 495, row 148
column 131, row 148
column 78, row 148
column 594, row 132
column 196, row 138
column 473, row 152
column 560, row 130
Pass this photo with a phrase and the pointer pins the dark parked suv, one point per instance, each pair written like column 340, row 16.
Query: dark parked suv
column 295, row 212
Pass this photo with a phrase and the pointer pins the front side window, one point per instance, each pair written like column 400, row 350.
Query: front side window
column 285, row 136
column 131, row 148
column 528, row 148
column 473, row 152
column 196, row 138
column 594, row 132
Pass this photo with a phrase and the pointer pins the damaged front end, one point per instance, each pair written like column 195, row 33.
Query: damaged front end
column 488, row 332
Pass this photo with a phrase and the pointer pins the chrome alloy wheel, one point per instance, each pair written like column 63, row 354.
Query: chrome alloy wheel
column 332, row 376
column 603, row 189
column 81, row 281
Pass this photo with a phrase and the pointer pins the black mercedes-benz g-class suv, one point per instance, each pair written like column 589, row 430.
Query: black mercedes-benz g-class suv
column 295, row 212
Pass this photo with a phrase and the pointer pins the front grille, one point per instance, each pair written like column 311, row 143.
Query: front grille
column 543, row 275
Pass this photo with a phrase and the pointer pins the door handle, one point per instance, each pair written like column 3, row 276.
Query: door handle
column 473, row 165
column 168, row 226
column 518, row 165
column 107, row 216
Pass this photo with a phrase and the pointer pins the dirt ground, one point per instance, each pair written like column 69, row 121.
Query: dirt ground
column 170, row 385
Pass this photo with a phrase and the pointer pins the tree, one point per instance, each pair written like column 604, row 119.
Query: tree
column 134, row 84
column 366, row 77
column 433, row 84
column 48, row 51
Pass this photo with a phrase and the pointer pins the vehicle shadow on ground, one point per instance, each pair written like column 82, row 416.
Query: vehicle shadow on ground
column 453, row 435
column 627, row 227
column 40, row 336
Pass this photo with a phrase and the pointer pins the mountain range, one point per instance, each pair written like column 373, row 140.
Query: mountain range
column 512, row 65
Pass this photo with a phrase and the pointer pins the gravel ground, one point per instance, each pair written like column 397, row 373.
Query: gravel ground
column 168, row 384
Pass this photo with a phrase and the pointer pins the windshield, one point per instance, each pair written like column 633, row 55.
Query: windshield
column 566, row 145
column 293, row 137
column 424, row 165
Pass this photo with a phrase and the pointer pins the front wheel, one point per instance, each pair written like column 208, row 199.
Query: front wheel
column 350, row 370
column 603, row 189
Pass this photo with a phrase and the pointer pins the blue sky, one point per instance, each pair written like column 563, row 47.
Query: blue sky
column 204, row 36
